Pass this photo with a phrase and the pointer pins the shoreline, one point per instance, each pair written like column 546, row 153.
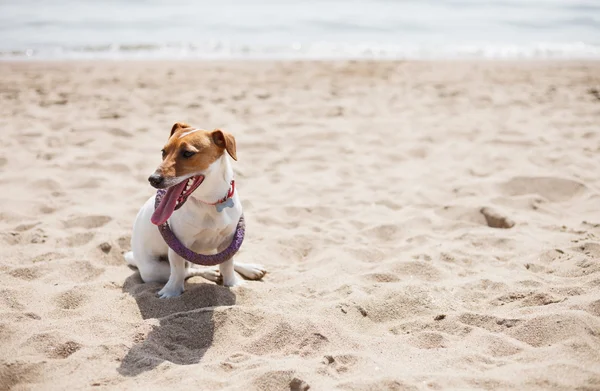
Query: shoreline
column 300, row 60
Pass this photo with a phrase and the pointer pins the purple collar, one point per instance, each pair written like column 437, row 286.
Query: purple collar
column 200, row 259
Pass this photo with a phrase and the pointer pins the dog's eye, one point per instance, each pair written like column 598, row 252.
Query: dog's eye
column 163, row 152
column 187, row 154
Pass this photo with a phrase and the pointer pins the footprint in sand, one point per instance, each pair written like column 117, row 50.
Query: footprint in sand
column 10, row 298
column 10, row 238
column 50, row 344
column 92, row 183
column 277, row 380
column 70, row 300
column 87, row 222
column 119, row 168
column 551, row 188
column 235, row 361
column 79, row 239
column 526, row 299
column 47, row 184
column 488, row 322
column 481, row 216
column 45, row 209
column 119, row 132
column 461, row 213
column 79, row 271
column 124, row 242
column 25, row 227
column 440, row 323
column 26, row 273
column 341, row 363
column 64, row 350
column 14, row 238
column 238, row 358
column 540, row 299
column 428, row 340
column 594, row 308
column 551, row 329
column 7, row 332
column 380, row 383
column 381, row 277
column 47, row 257
column 394, row 306
column 15, row 373
column 590, row 249
column 384, row 232
column 420, row 270
column 37, row 236
column 500, row 346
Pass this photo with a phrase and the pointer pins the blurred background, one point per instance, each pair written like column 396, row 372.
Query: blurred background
column 300, row 29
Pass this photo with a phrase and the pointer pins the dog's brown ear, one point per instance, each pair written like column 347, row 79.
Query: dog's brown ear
column 224, row 140
column 178, row 125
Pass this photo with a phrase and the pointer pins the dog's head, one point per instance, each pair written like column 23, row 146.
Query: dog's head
column 187, row 157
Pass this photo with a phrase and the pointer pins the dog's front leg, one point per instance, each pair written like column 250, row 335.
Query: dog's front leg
column 174, row 287
column 228, row 273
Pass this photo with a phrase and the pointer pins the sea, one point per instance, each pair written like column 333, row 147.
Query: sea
column 299, row 29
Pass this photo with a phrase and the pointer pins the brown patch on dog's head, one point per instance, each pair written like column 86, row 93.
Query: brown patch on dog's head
column 191, row 150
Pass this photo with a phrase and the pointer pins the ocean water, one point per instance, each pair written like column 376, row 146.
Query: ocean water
column 413, row 29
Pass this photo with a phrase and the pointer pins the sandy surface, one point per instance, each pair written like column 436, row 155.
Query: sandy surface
column 369, row 191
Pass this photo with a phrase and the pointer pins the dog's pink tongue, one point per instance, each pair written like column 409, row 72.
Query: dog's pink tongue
column 167, row 204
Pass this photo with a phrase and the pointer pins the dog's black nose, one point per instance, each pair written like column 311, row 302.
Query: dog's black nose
column 156, row 180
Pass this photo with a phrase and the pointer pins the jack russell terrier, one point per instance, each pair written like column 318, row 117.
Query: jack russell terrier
column 202, row 208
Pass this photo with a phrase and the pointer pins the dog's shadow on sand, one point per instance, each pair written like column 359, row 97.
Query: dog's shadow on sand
column 185, row 330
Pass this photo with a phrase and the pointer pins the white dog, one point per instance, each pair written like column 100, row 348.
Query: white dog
column 201, row 205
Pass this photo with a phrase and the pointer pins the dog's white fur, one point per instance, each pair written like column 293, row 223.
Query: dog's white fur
column 199, row 227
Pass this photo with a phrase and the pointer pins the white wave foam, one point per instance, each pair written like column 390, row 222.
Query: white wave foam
column 318, row 50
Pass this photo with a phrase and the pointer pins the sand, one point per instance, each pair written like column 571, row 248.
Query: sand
column 425, row 225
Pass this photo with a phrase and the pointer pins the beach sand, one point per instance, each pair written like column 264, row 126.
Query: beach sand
column 425, row 225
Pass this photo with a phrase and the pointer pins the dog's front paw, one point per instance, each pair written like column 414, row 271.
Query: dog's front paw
column 255, row 271
column 170, row 291
column 251, row 271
